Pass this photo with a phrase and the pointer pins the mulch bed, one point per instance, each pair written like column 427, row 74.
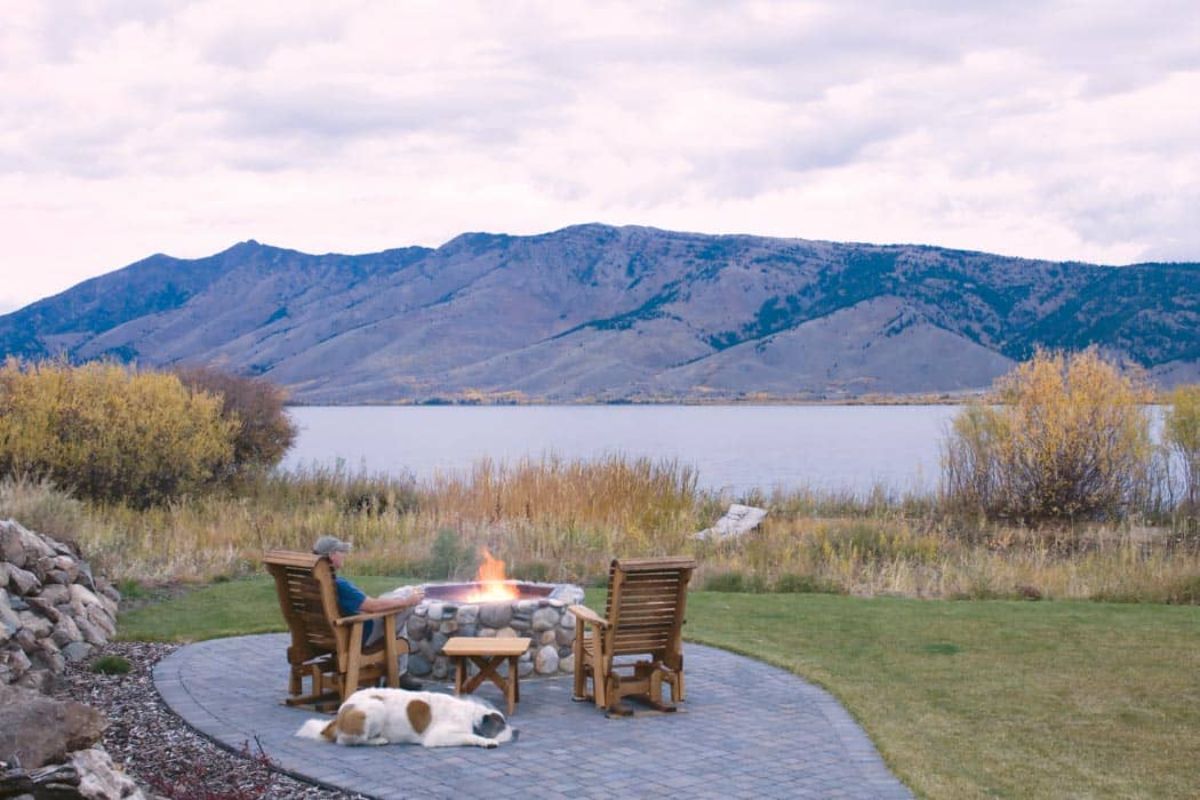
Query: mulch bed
column 159, row 750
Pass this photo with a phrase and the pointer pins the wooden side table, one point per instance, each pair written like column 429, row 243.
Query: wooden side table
column 488, row 655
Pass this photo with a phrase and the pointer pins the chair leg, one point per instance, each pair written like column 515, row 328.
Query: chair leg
column 353, row 662
column 580, row 690
column 391, row 654
column 656, row 682
column 600, row 679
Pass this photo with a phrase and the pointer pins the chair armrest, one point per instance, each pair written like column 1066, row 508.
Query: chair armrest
column 364, row 617
column 587, row 615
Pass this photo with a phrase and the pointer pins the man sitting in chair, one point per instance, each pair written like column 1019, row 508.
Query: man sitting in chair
column 353, row 600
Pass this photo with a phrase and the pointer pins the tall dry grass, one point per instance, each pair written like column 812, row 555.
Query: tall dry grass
column 563, row 520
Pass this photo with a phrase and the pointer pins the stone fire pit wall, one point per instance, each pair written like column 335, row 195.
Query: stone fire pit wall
column 539, row 613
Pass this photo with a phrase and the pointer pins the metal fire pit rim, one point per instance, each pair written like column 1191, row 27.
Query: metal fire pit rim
column 450, row 590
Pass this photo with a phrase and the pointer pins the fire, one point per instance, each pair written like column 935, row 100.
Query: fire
column 493, row 582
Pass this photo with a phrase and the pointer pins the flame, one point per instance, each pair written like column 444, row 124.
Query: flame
column 494, row 586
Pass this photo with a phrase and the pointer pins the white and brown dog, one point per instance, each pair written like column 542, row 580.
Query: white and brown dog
column 394, row 716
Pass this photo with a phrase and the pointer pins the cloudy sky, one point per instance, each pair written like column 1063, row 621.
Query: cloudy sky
column 1063, row 130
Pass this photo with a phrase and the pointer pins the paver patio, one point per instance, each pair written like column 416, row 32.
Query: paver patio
column 747, row 730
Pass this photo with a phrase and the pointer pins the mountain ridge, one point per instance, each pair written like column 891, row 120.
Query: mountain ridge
column 597, row 312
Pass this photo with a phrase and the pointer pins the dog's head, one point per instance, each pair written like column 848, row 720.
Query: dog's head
column 491, row 724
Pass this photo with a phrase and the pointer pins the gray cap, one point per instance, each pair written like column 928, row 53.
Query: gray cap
column 330, row 544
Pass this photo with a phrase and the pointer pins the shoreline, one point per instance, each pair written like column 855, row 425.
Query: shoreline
column 890, row 400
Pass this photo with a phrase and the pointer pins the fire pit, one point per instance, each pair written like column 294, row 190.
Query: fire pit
column 494, row 607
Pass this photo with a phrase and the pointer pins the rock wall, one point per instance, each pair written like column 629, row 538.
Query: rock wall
column 52, row 609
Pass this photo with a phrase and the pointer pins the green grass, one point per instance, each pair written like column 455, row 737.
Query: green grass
column 964, row 699
column 230, row 608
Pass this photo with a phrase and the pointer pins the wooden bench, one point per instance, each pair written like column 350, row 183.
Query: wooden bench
column 488, row 655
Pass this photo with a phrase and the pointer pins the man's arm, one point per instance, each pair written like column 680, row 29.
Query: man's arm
column 372, row 605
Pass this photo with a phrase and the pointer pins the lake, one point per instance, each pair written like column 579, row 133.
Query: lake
column 734, row 448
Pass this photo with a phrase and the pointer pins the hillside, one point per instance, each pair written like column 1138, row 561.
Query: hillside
column 604, row 313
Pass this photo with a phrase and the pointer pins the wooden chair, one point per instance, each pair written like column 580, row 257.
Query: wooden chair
column 326, row 647
column 643, row 617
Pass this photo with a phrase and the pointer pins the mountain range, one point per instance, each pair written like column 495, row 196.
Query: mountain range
column 611, row 314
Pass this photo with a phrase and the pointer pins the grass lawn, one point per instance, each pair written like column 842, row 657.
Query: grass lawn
column 964, row 699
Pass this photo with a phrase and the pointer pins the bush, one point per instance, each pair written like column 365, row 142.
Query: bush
column 533, row 571
column 111, row 665
column 110, row 433
column 1070, row 439
column 448, row 556
column 1181, row 433
column 805, row 584
column 264, row 431
column 735, row 582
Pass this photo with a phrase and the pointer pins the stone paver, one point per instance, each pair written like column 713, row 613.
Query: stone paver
column 746, row 730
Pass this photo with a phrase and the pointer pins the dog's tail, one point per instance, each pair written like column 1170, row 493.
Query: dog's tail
column 319, row 729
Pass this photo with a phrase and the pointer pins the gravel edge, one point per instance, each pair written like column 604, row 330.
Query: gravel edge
column 158, row 749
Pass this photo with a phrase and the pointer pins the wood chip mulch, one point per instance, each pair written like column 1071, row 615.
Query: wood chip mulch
column 159, row 750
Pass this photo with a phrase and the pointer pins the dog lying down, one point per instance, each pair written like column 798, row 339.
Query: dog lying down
column 394, row 716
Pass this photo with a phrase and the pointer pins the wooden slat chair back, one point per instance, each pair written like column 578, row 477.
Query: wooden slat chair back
column 644, row 616
column 326, row 647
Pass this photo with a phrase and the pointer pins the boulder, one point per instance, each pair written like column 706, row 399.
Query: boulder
column 91, row 634
column 25, row 639
column 416, row 627
column 44, row 608
column 103, row 587
column 84, row 595
column 47, row 729
column 99, row 779
column 22, row 581
column 7, row 615
column 11, row 548
column 568, row 593
column 89, row 580
column 565, row 636
column 738, row 521
column 77, row 651
column 55, row 595
column 546, row 662
column 545, row 619
column 35, row 623
column 100, row 618
column 66, row 631
column 47, row 656
column 14, row 662
column 37, row 679
column 495, row 615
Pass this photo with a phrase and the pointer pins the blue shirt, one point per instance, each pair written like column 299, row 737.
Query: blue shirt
column 350, row 599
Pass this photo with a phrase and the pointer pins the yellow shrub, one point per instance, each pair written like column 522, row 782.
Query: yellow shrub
column 1181, row 432
column 1068, row 439
column 110, row 433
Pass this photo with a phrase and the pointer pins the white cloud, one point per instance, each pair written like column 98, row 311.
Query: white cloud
column 1050, row 129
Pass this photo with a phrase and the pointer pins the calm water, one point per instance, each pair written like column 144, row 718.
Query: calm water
column 733, row 447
